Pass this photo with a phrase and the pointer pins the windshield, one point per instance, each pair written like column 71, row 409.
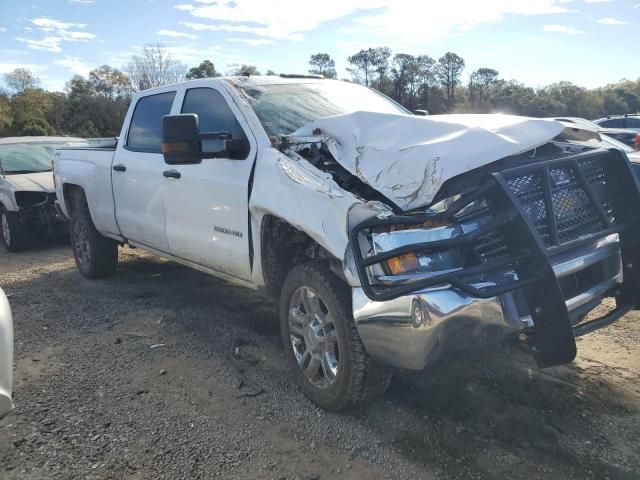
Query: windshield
column 284, row 108
column 27, row 157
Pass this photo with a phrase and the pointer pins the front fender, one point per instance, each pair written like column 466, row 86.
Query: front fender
column 8, row 200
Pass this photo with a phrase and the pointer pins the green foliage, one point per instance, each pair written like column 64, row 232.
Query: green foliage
column 450, row 67
column 36, row 127
column 6, row 114
column 30, row 109
column 206, row 69
column 419, row 82
column 322, row 64
column 366, row 63
column 244, row 70
column 96, row 106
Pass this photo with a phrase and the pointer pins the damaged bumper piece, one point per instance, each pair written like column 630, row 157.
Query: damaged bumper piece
column 533, row 248
column 38, row 213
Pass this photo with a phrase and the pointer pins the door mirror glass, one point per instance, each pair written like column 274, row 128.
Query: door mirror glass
column 181, row 139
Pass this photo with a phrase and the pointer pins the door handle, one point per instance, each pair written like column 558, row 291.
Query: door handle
column 172, row 174
column 120, row 168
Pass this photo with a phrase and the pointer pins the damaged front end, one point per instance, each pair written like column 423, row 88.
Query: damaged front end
column 532, row 247
column 37, row 213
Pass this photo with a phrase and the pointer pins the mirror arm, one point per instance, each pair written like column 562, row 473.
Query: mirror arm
column 221, row 154
column 215, row 136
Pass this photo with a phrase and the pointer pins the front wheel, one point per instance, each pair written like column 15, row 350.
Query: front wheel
column 96, row 256
column 330, row 364
column 13, row 234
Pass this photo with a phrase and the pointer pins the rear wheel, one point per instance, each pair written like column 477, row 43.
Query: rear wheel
column 321, row 341
column 13, row 235
column 96, row 256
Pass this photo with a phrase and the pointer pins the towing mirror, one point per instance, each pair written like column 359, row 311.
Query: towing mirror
column 181, row 139
column 183, row 143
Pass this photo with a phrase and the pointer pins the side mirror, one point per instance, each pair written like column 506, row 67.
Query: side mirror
column 183, row 143
column 181, row 139
column 422, row 113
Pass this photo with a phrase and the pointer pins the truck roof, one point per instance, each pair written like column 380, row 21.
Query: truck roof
column 242, row 81
column 11, row 140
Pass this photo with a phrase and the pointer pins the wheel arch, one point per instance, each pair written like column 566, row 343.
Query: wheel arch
column 284, row 246
column 74, row 198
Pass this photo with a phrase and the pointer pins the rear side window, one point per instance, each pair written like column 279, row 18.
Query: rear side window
column 214, row 114
column 145, row 132
column 633, row 122
column 613, row 123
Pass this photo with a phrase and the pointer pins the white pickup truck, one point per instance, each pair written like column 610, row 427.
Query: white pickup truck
column 388, row 239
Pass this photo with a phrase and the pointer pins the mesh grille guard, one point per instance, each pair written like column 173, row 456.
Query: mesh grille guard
column 537, row 210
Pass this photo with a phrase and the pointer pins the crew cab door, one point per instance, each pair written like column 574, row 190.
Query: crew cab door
column 207, row 211
column 137, row 174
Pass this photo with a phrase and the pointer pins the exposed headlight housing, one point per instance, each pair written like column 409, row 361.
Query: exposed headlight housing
column 416, row 263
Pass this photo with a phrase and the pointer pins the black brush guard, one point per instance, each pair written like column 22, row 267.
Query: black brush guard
column 560, row 205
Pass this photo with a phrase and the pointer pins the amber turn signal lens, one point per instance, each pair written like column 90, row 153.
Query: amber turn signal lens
column 404, row 263
column 175, row 147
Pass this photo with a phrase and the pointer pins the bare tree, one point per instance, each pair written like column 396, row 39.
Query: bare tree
column 323, row 64
column 21, row 79
column 110, row 82
column 450, row 67
column 155, row 67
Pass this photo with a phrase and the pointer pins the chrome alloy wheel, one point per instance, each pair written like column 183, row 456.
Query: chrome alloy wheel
column 81, row 243
column 6, row 231
column 314, row 338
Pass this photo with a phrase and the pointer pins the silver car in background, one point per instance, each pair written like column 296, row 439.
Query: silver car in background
column 6, row 355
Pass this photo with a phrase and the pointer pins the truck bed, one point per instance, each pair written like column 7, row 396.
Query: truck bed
column 90, row 169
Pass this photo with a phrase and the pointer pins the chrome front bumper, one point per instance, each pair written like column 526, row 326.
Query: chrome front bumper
column 413, row 331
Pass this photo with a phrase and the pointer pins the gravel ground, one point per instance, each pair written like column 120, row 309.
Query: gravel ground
column 163, row 372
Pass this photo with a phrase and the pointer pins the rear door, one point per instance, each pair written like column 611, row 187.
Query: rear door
column 137, row 174
column 207, row 207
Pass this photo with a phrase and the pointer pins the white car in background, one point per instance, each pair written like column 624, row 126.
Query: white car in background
column 27, row 194
column 6, row 355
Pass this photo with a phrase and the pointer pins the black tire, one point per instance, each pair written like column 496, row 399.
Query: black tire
column 359, row 378
column 17, row 238
column 96, row 256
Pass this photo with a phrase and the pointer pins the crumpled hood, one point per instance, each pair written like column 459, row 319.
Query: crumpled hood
column 407, row 158
column 31, row 182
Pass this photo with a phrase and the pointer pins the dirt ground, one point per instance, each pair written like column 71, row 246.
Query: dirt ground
column 163, row 372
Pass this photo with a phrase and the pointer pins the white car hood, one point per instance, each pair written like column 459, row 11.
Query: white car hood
column 407, row 158
column 30, row 182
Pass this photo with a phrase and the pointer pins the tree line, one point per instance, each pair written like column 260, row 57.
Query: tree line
column 95, row 105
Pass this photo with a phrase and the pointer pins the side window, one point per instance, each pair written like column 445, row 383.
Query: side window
column 145, row 131
column 613, row 123
column 633, row 122
column 213, row 112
